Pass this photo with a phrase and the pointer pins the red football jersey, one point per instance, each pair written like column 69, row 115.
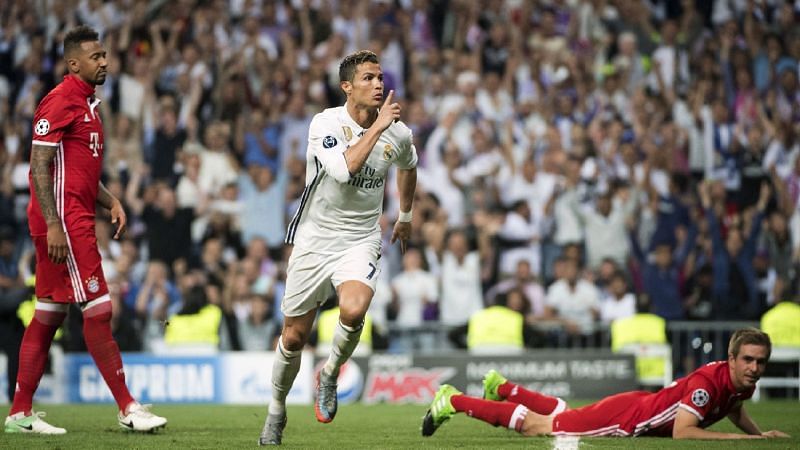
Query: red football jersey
column 708, row 393
column 68, row 119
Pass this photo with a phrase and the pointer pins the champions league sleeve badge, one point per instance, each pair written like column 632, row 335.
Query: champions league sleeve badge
column 42, row 127
column 329, row 142
column 700, row 397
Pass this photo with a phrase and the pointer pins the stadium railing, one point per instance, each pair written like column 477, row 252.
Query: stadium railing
column 781, row 355
column 693, row 343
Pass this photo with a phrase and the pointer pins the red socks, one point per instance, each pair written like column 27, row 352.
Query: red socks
column 536, row 402
column 505, row 414
column 104, row 350
column 33, row 353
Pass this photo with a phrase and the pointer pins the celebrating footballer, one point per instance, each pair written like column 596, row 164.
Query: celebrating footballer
column 336, row 232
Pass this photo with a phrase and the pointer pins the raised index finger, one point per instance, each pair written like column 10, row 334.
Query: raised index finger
column 389, row 98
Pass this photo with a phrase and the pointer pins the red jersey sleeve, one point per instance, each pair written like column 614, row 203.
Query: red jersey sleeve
column 52, row 118
column 699, row 396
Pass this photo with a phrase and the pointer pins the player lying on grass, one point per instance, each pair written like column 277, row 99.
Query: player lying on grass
column 682, row 410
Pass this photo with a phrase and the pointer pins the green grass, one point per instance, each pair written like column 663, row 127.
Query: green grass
column 356, row 426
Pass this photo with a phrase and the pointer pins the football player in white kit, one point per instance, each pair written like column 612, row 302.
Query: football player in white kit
column 336, row 232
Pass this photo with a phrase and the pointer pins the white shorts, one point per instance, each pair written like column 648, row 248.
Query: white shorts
column 312, row 277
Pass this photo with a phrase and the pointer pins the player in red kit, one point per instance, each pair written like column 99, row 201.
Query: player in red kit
column 682, row 410
column 66, row 163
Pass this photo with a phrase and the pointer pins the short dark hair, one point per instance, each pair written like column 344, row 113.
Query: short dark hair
column 749, row 336
column 78, row 35
column 347, row 69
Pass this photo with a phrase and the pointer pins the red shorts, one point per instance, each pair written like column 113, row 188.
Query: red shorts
column 612, row 416
column 78, row 280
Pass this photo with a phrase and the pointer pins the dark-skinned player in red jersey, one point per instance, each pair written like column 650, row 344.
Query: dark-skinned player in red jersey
column 66, row 163
column 682, row 410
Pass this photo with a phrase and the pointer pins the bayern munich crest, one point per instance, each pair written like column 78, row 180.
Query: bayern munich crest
column 93, row 284
column 42, row 127
column 700, row 397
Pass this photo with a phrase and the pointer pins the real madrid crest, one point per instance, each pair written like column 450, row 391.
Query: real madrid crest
column 387, row 152
column 348, row 133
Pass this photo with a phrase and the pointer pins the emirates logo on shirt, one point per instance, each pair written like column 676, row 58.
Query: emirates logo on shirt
column 42, row 127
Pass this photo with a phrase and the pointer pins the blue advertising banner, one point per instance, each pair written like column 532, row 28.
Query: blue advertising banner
column 162, row 379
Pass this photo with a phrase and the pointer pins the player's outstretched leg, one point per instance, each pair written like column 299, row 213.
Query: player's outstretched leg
column 345, row 341
column 449, row 401
column 497, row 387
column 272, row 433
column 440, row 411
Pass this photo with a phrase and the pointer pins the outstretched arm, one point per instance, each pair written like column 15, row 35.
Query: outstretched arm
column 687, row 426
column 744, row 422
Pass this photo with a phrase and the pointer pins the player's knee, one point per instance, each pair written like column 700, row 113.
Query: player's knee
column 352, row 318
column 293, row 339
column 51, row 314
column 536, row 425
column 353, row 311
column 97, row 310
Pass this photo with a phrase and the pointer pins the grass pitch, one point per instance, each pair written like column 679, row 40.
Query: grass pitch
column 355, row 427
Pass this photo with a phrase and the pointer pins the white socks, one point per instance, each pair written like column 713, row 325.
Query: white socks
column 345, row 340
column 284, row 371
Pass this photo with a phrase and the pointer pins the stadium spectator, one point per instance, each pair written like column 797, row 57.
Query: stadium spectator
column 734, row 278
column 258, row 186
column 618, row 302
column 196, row 324
column 525, row 281
column 461, row 289
column 153, row 300
column 415, row 292
column 168, row 227
column 573, row 301
column 662, row 273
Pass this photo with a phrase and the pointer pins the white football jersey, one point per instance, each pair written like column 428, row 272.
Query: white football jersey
column 336, row 209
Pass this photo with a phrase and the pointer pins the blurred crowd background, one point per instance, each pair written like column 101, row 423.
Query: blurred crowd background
column 579, row 160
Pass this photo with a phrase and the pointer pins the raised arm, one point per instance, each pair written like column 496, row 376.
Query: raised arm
column 343, row 165
column 357, row 154
column 42, row 179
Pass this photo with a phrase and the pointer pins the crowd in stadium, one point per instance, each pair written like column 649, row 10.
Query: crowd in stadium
column 577, row 158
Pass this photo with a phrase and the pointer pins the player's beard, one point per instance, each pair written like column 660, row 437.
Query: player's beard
column 100, row 78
